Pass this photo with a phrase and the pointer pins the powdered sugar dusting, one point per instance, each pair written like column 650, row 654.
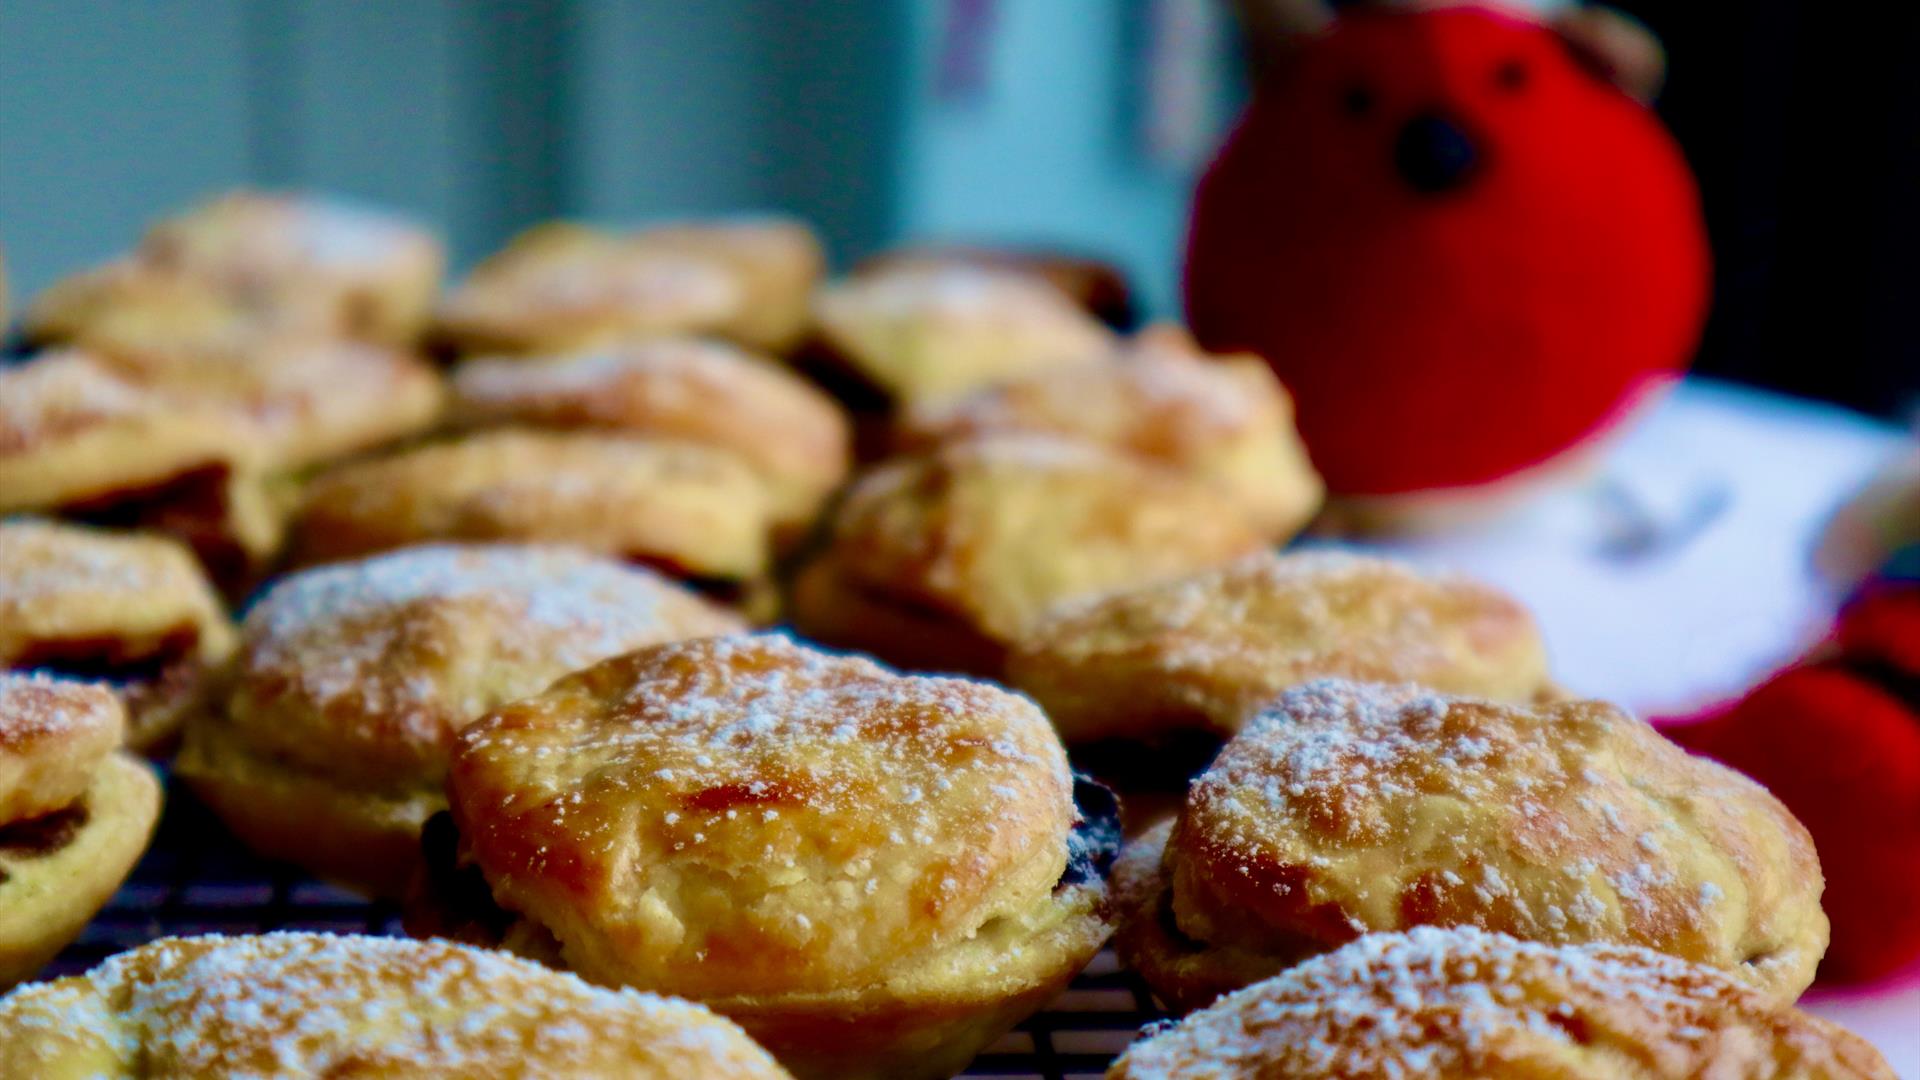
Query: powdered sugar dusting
column 332, row 629
column 1328, row 743
column 1388, row 806
column 958, row 292
column 1160, row 402
column 665, row 371
column 1244, row 631
column 716, row 712
column 303, row 1005
column 34, row 707
column 1442, row 1003
column 42, row 560
column 601, row 275
column 847, row 813
column 246, row 236
column 1235, row 593
column 58, row 393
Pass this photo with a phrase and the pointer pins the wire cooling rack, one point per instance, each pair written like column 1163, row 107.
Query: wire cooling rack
column 197, row 879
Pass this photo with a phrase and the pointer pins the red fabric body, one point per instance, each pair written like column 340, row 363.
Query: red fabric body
column 1449, row 339
column 1838, row 741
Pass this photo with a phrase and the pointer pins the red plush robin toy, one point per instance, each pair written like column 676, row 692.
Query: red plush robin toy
column 1837, row 737
column 1462, row 244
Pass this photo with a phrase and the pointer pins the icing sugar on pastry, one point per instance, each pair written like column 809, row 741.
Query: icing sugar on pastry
column 792, row 433
column 331, row 749
column 300, row 1005
column 1208, row 650
column 867, row 813
column 1435, row 1003
column 868, row 871
column 1348, row 807
column 53, row 735
column 328, row 628
column 131, row 608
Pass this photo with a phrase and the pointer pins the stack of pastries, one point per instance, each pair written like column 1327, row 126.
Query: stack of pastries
column 503, row 552
column 190, row 385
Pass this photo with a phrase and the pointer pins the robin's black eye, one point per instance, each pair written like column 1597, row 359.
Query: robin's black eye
column 1356, row 100
column 1511, row 76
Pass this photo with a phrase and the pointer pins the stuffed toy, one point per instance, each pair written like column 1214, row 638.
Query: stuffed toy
column 1462, row 243
column 1837, row 737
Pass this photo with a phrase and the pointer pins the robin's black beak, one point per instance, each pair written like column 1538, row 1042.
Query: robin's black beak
column 1434, row 155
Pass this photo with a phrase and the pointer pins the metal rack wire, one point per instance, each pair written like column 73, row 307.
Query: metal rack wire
column 197, row 879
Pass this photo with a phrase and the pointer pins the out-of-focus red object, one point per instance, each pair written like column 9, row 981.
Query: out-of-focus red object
column 1464, row 251
column 1837, row 739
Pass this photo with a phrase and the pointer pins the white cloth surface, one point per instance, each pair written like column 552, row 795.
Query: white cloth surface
column 1679, row 575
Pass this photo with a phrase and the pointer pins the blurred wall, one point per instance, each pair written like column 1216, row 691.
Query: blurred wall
column 107, row 116
column 478, row 117
column 731, row 104
column 1049, row 148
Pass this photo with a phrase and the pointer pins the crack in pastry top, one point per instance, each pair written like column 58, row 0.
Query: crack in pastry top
column 745, row 813
column 1461, row 1002
column 301, row 1004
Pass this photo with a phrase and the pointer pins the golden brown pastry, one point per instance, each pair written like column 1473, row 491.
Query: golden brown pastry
column 940, row 562
column 75, row 429
column 1224, row 420
column 1099, row 287
column 874, row 874
column 200, row 443
column 133, row 304
column 85, row 438
column 317, row 1005
column 1461, row 1004
column 53, row 736
column 331, row 749
column 132, row 610
column 692, row 511
column 129, row 303
column 346, row 269
column 777, row 262
column 1205, row 652
column 1346, row 808
column 918, row 334
column 308, row 400
column 792, row 433
column 75, row 815
column 560, row 287
column 253, row 261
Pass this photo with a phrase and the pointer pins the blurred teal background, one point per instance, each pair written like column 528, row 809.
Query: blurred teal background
column 485, row 117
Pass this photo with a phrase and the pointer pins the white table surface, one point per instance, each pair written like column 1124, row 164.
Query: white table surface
column 1737, row 484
